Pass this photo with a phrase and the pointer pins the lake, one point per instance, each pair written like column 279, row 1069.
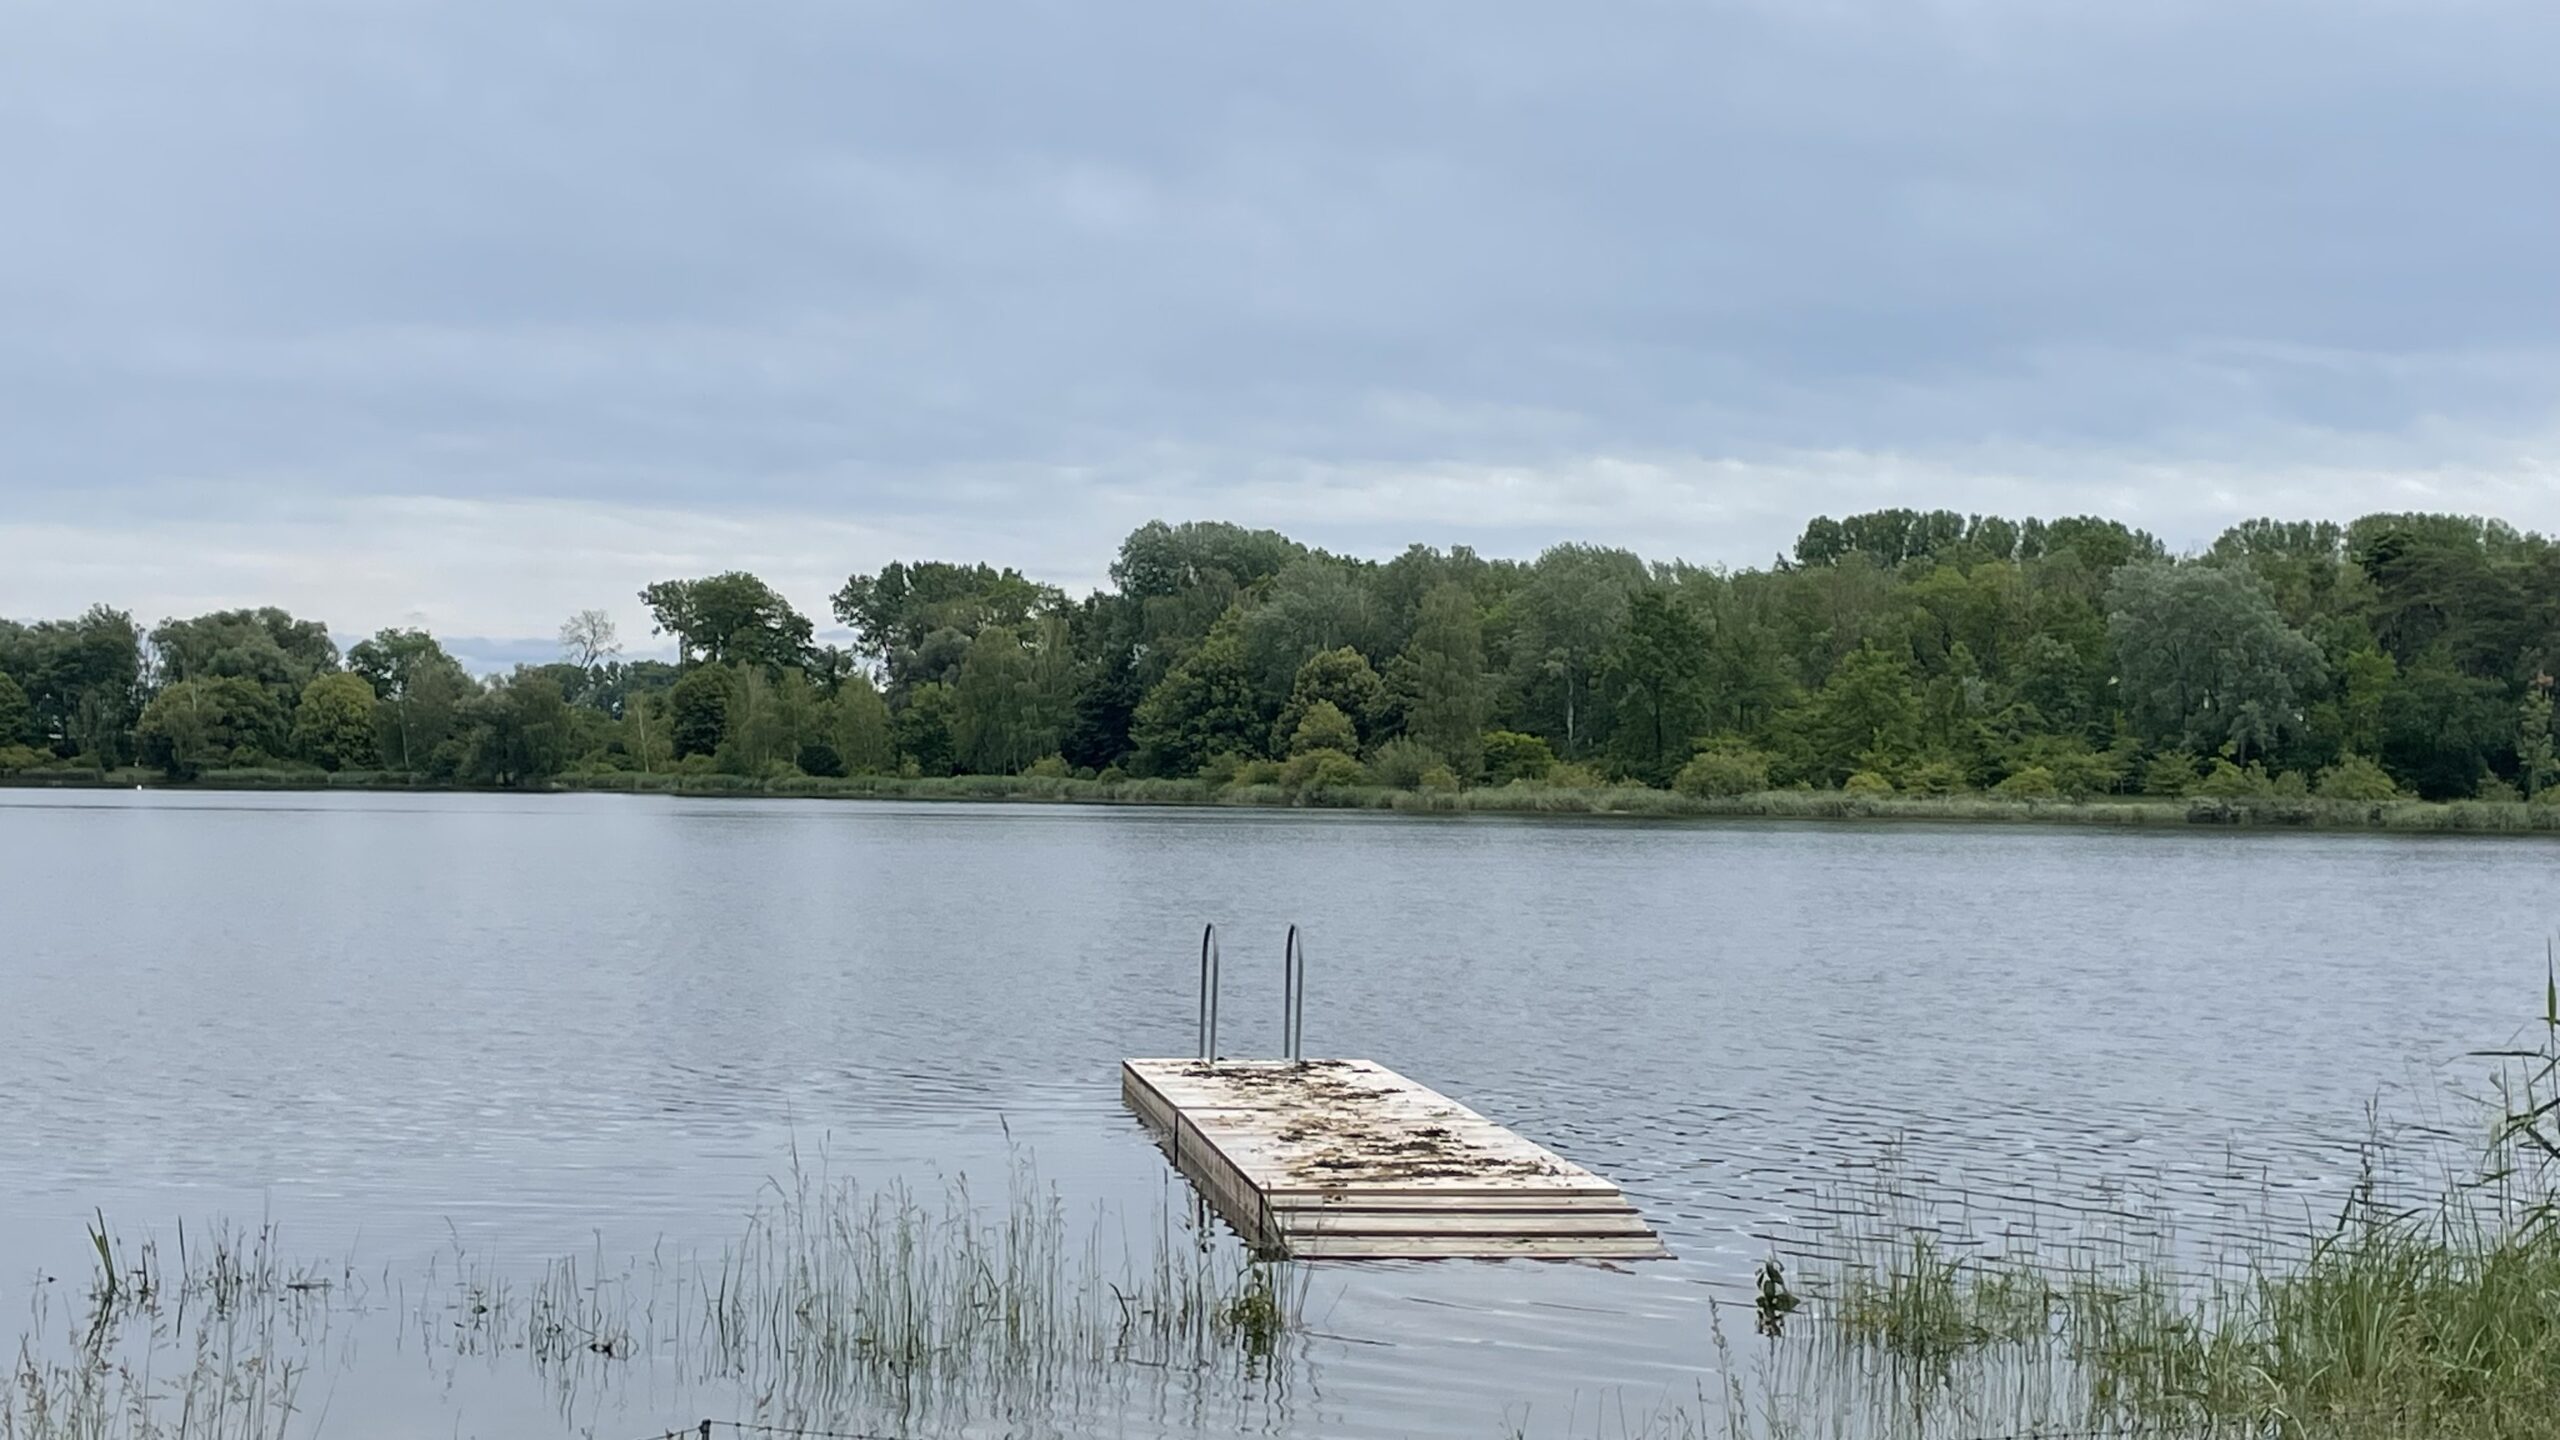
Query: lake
column 403, row 1026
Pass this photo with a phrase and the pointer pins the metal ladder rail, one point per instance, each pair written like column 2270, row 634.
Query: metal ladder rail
column 1209, row 994
column 1293, row 997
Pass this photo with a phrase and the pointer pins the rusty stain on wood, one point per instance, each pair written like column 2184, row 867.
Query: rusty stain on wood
column 1346, row 1159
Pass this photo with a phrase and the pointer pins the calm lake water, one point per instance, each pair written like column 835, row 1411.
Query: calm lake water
column 542, row 1025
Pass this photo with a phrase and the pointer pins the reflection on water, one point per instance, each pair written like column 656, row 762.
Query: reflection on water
column 523, row 1028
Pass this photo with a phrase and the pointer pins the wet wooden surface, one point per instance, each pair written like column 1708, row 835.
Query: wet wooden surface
column 1346, row 1159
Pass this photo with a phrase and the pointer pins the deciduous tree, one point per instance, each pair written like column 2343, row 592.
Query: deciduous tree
column 698, row 710
column 732, row 617
column 1439, row 680
column 1204, row 706
column 2205, row 660
column 1655, row 672
column 333, row 724
column 197, row 725
column 587, row 639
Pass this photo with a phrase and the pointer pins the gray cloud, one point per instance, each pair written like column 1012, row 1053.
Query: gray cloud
column 1001, row 280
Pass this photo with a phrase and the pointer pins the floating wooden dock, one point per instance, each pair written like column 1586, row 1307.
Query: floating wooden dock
column 1348, row 1160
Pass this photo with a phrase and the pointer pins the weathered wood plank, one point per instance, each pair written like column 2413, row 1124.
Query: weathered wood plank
column 1336, row 1158
column 1439, row 1202
column 1473, row 1247
column 1496, row 1223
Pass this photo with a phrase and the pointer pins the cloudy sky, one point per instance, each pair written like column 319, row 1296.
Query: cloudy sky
column 475, row 312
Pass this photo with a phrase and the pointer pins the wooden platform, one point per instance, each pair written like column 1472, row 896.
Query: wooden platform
column 1348, row 1160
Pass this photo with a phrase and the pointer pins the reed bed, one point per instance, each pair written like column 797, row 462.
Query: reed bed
column 2439, row 1318
column 214, row 1346
column 837, row 1305
column 840, row 1294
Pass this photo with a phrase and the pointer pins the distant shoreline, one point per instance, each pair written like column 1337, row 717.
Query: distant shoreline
column 2457, row 817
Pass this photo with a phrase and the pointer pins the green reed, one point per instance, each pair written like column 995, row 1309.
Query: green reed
column 836, row 1299
column 840, row 1292
column 2434, row 1319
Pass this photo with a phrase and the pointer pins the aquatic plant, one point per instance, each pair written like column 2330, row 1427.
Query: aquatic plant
column 2439, row 1319
column 836, row 1300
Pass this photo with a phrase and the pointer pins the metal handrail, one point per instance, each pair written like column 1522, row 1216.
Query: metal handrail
column 1293, row 997
column 1209, row 994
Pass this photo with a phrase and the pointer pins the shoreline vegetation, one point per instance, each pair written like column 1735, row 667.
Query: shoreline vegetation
column 838, row 1307
column 1956, row 666
column 2399, row 816
column 2428, row 1305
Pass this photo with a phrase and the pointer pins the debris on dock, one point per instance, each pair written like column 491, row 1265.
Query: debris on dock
column 1348, row 1160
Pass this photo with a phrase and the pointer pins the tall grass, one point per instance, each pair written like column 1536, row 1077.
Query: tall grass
column 838, row 1304
column 212, row 1348
column 2433, row 1319
column 840, row 1294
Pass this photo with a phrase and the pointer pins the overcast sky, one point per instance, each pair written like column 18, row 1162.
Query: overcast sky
column 472, row 313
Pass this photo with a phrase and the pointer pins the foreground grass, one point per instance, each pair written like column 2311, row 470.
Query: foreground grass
column 2463, row 817
column 836, row 1306
column 2436, row 1319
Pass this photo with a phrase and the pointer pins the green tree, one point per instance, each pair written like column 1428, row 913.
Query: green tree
column 266, row 645
column 1342, row 678
column 1323, row 726
column 1109, row 678
column 1001, row 718
column 1655, row 670
column 729, row 618
column 1744, row 680
column 419, row 691
column 1865, row 717
column 1313, row 606
column 1160, row 561
column 925, row 731
column 197, row 725
column 1204, row 706
column 17, row 719
column 768, row 718
column 1887, row 537
column 893, row 613
column 2205, row 659
column 2445, row 586
column 333, row 724
column 1439, row 680
column 2053, row 676
column 1510, row 755
column 698, row 710
column 2169, row 776
column 2536, row 770
column 2441, row 728
column 2365, row 678
column 643, row 730
column 1572, row 608
column 519, row 732
column 82, row 679
column 858, row 727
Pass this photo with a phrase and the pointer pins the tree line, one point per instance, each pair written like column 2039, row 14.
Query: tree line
column 1894, row 651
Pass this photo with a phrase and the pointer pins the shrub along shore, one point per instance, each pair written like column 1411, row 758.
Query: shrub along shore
column 2466, row 817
